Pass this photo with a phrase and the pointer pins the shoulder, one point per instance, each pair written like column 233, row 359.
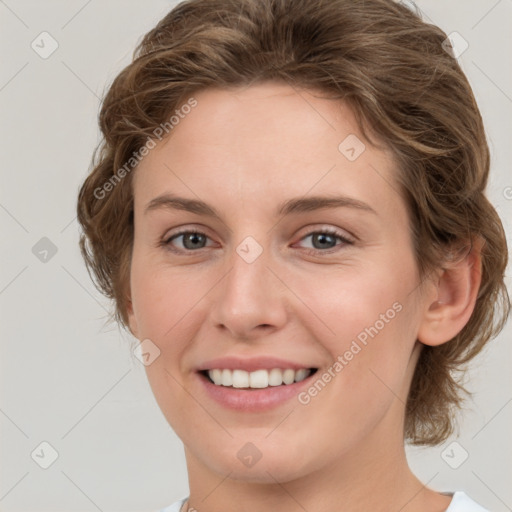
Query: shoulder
column 175, row 507
column 461, row 502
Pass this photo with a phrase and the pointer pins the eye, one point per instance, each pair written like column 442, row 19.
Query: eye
column 191, row 240
column 325, row 240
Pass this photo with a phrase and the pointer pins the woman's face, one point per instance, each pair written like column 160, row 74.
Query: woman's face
column 263, row 287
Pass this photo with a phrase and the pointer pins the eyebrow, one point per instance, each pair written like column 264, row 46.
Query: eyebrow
column 295, row 205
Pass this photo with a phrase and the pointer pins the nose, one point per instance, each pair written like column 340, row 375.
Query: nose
column 251, row 298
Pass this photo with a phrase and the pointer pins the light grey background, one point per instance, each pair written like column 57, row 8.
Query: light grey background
column 69, row 379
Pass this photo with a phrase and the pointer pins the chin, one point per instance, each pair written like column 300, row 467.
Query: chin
column 247, row 463
column 263, row 472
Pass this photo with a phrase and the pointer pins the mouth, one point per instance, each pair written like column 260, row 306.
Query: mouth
column 259, row 390
column 258, row 379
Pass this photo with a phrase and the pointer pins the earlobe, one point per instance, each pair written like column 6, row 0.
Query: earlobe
column 457, row 291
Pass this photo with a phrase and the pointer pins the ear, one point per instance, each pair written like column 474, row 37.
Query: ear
column 452, row 301
column 132, row 322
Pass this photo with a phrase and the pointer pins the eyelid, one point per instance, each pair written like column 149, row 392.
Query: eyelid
column 166, row 240
column 342, row 233
column 347, row 239
column 180, row 230
column 309, row 230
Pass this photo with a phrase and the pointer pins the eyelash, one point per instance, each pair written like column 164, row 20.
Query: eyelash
column 166, row 243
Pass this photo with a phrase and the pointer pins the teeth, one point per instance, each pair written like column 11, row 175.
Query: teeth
column 240, row 379
column 289, row 376
column 275, row 377
column 227, row 378
column 301, row 374
column 216, row 376
column 258, row 379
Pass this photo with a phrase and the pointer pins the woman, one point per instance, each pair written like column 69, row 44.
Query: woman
column 289, row 212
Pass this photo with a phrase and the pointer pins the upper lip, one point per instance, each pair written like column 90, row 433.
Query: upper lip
column 251, row 364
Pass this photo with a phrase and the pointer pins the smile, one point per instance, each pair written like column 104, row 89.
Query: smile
column 254, row 391
column 258, row 379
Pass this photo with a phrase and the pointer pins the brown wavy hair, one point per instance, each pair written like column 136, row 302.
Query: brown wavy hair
column 408, row 93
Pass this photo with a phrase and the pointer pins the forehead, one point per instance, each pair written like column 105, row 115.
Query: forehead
column 262, row 144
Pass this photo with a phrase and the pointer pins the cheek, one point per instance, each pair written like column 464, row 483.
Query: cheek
column 365, row 320
column 162, row 299
column 165, row 303
column 352, row 303
column 370, row 353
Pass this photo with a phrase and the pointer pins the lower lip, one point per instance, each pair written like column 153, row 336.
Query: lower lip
column 253, row 399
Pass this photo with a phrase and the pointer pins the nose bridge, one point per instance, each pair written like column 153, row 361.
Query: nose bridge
column 249, row 295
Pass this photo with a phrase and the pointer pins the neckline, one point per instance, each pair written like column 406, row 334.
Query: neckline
column 454, row 495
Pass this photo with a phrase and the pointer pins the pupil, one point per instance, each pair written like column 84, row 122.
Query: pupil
column 322, row 237
column 193, row 237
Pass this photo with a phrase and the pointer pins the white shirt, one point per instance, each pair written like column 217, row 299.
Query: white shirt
column 461, row 502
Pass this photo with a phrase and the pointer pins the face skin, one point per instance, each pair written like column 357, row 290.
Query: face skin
column 245, row 152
